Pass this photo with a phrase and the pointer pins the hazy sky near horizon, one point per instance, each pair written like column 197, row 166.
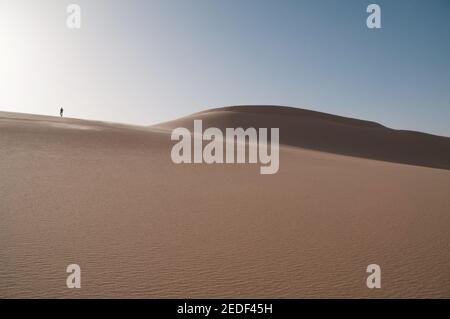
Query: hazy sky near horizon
column 144, row 62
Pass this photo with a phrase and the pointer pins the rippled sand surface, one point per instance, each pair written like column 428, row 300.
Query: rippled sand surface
column 109, row 198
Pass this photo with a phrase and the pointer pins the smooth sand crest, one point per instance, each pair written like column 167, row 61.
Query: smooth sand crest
column 330, row 133
column 109, row 198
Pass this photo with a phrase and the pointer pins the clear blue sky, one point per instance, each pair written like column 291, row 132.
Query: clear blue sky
column 144, row 62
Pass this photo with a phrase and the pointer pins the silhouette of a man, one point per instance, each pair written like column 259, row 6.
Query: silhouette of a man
column 61, row 112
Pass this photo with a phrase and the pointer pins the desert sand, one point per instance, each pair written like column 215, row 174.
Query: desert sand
column 107, row 196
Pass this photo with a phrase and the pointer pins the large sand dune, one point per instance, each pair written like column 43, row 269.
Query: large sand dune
column 109, row 198
column 331, row 133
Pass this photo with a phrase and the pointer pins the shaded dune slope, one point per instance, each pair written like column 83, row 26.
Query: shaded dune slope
column 330, row 133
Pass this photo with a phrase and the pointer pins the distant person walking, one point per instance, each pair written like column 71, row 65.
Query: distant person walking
column 61, row 112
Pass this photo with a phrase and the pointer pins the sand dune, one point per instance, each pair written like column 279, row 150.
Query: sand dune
column 108, row 197
column 331, row 133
